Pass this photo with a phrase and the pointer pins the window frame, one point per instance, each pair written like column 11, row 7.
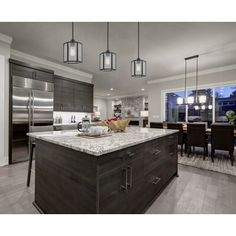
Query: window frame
column 212, row 86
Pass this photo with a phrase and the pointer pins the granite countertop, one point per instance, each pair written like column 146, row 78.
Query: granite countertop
column 103, row 145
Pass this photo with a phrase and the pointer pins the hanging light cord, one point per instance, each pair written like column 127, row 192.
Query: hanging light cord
column 72, row 30
column 196, row 98
column 138, row 39
column 107, row 36
column 185, row 81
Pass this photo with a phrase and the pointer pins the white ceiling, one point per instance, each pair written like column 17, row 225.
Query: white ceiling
column 163, row 45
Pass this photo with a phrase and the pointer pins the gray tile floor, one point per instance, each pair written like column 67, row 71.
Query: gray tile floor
column 194, row 191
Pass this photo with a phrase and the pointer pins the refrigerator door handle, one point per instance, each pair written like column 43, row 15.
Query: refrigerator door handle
column 32, row 109
column 29, row 109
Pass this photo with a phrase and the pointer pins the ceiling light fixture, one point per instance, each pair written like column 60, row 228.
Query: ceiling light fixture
column 196, row 100
column 111, row 89
column 108, row 94
column 138, row 66
column 107, row 59
column 72, row 50
column 142, row 89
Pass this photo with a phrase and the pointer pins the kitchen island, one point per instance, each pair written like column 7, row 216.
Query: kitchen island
column 121, row 173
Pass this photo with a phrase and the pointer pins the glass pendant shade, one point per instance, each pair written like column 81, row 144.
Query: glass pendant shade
column 180, row 100
column 73, row 52
column 196, row 107
column 203, row 107
column 202, row 98
column 210, row 107
column 138, row 68
column 190, row 100
column 107, row 61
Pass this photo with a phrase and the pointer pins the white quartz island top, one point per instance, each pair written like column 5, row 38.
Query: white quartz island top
column 103, row 145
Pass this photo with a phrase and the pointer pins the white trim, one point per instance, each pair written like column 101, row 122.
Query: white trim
column 203, row 72
column 45, row 62
column 5, row 38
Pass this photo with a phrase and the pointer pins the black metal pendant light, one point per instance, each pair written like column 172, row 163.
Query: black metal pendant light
column 196, row 101
column 72, row 50
column 138, row 66
column 107, row 59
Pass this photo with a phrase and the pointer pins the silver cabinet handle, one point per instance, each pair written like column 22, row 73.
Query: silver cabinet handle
column 156, row 180
column 130, row 154
column 156, row 152
column 125, row 173
column 130, row 170
column 171, row 153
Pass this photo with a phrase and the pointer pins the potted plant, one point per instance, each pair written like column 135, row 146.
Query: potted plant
column 231, row 116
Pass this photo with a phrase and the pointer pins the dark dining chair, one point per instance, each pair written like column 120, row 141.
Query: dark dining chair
column 32, row 144
column 222, row 138
column 181, row 136
column 196, row 137
column 158, row 125
column 134, row 122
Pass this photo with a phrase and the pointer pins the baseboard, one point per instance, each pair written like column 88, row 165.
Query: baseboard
column 4, row 161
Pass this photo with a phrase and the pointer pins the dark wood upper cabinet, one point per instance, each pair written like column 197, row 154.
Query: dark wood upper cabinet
column 22, row 69
column 72, row 95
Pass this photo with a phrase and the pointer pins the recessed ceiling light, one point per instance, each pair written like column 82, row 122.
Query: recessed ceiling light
column 142, row 89
column 108, row 94
column 111, row 89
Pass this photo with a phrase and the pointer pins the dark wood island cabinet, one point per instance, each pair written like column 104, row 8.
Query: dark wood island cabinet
column 127, row 180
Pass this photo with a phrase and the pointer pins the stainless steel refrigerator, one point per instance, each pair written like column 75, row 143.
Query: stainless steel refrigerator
column 32, row 105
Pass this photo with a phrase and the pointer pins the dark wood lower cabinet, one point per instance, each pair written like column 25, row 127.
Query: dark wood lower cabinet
column 125, row 181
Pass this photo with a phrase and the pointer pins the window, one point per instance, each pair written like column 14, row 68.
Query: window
column 174, row 112
column 203, row 113
column 225, row 100
column 219, row 100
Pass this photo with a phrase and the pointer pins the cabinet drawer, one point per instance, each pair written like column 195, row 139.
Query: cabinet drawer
column 154, row 154
column 156, row 179
column 116, row 159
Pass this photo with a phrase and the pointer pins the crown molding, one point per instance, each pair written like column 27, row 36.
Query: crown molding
column 47, row 63
column 5, row 38
column 203, row 72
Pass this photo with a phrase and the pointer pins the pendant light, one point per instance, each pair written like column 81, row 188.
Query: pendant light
column 72, row 50
column 196, row 101
column 138, row 66
column 107, row 59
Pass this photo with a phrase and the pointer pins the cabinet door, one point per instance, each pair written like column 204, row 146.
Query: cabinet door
column 112, row 193
column 136, row 194
column 44, row 76
column 58, row 99
column 67, row 96
column 22, row 71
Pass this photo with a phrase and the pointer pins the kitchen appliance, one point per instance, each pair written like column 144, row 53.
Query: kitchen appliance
column 84, row 125
column 32, row 105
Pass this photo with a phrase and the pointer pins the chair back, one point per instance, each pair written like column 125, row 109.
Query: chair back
column 134, row 122
column 222, row 137
column 196, row 134
column 177, row 126
column 158, row 125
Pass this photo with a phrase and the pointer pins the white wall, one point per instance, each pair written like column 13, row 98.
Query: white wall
column 4, row 97
column 156, row 90
column 102, row 105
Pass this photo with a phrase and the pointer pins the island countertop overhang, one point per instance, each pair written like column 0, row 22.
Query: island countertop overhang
column 100, row 146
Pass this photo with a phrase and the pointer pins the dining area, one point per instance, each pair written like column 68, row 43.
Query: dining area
column 198, row 140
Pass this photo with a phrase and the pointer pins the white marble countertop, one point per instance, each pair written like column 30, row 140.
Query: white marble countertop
column 103, row 145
